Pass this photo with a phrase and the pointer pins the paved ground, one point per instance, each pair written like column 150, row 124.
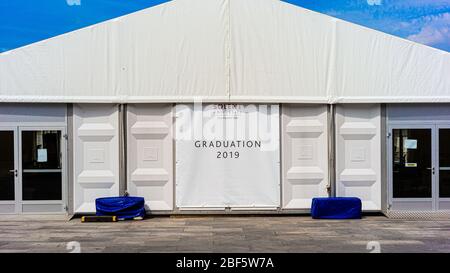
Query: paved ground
column 225, row 234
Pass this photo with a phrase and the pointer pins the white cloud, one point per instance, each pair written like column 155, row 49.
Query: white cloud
column 434, row 31
column 431, row 36
column 374, row 2
column 402, row 4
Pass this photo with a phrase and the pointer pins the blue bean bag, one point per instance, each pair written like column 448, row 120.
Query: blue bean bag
column 126, row 207
column 336, row 208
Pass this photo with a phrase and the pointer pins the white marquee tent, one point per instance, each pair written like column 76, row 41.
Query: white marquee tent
column 266, row 52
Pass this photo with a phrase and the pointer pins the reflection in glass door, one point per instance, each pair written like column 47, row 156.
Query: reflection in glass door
column 41, row 165
column 7, row 168
column 412, row 163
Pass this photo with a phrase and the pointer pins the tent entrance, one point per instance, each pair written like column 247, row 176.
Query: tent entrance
column 31, row 170
column 420, row 167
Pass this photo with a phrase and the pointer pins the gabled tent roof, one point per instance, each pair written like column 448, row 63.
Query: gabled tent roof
column 225, row 50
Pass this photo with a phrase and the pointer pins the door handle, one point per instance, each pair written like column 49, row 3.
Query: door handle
column 14, row 171
column 432, row 170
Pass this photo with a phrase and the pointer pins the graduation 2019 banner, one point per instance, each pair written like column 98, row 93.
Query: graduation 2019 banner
column 227, row 156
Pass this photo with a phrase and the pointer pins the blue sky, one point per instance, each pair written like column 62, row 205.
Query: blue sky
column 423, row 21
column 26, row 21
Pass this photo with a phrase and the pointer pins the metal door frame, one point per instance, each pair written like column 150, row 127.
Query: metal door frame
column 18, row 201
column 15, row 202
column 434, row 154
column 438, row 168
column 64, row 180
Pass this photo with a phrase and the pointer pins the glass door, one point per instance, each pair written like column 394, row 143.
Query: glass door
column 41, row 170
column 32, row 170
column 443, row 187
column 412, row 168
column 41, row 165
column 8, row 170
column 420, row 167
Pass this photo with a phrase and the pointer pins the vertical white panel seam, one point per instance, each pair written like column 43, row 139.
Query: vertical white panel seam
column 228, row 47
column 331, row 82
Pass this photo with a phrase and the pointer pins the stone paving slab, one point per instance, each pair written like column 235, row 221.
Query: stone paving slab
column 224, row 234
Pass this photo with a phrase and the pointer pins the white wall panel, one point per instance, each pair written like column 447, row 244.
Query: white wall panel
column 96, row 154
column 305, row 154
column 150, row 154
column 358, row 153
column 14, row 113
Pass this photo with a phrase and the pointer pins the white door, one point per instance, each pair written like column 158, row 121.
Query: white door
column 358, row 153
column 305, row 154
column 96, row 160
column 150, row 154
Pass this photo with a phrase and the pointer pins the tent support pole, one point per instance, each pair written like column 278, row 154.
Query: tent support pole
column 331, row 150
column 122, row 150
column 70, row 193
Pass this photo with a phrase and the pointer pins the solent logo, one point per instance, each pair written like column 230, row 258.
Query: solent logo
column 228, row 125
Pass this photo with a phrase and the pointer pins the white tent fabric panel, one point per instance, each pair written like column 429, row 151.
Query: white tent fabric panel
column 150, row 154
column 77, row 66
column 96, row 162
column 280, row 52
column 175, row 50
column 373, row 66
column 225, row 51
column 168, row 52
